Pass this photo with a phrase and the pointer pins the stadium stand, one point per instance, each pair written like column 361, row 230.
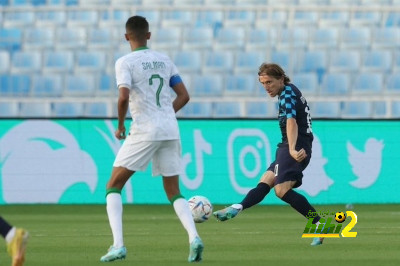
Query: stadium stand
column 343, row 54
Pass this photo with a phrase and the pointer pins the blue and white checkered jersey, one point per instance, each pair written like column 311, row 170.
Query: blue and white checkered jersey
column 292, row 104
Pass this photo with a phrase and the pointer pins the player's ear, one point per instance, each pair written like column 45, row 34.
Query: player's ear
column 148, row 35
column 126, row 37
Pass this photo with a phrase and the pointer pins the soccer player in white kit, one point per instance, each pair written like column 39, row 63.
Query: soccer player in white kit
column 145, row 78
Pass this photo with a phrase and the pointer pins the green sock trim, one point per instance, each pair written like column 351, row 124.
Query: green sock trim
column 179, row 196
column 113, row 190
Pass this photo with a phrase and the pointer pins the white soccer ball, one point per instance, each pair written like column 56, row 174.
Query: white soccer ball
column 201, row 208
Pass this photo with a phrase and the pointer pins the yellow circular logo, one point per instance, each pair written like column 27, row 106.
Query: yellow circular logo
column 340, row 217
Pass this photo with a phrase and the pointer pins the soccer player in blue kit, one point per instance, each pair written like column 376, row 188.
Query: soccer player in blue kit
column 293, row 153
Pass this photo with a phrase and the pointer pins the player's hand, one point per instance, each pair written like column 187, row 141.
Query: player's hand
column 298, row 155
column 120, row 133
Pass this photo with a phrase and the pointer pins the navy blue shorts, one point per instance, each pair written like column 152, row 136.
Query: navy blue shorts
column 288, row 169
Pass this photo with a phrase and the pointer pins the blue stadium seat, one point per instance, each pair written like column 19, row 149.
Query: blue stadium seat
column 156, row 2
column 177, row 18
column 79, row 85
column 355, row 38
column 239, row 18
column 94, row 2
column 303, row 18
column 166, row 39
column 293, row 38
column 368, row 83
column 188, row 3
column 252, row 2
column 365, row 19
column 4, row 62
column 188, row 61
column 314, row 2
column 38, row 38
column 210, row 18
column 285, row 59
column 325, row 109
column 313, row 61
column 114, row 18
column 197, row 38
column 152, row 16
column 335, row 84
column 344, row 61
column 261, row 109
column 356, row 109
column 26, row 62
column 35, row 109
column 90, row 61
column 18, row 19
column 209, row 85
column 58, row 61
column 334, row 19
column 101, row 38
column 282, row 2
column 393, row 83
column 217, row 61
column 248, row 62
column 386, row 37
column 96, row 109
column 377, row 2
column 196, row 110
column 240, row 85
column 79, row 18
column 307, row 82
column 107, row 85
column 325, row 38
column 396, row 62
column 67, row 109
column 71, row 38
column 9, row 109
column 260, row 39
column 392, row 20
column 15, row 85
column 229, row 38
column 377, row 60
column 51, row 18
column 272, row 19
column 10, row 39
column 227, row 109
column 47, row 86
column 395, row 109
column 379, row 110
column 219, row 2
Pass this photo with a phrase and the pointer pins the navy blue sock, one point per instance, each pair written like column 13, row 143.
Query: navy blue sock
column 4, row 227
column 299, row 203
column 256, row 195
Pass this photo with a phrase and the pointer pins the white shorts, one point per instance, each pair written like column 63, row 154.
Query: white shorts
column 164, row 154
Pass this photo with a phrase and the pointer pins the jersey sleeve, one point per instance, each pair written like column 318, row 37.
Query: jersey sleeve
column 289, row 103
column 122, row 74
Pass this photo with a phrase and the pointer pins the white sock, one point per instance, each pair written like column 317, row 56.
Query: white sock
column 114, row 211
column 10, row 235
column 184, row 214
column 237, row 206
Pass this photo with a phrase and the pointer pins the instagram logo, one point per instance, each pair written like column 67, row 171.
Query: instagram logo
column 248, row 157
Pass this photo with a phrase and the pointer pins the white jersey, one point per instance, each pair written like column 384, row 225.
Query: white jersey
column 147, row 73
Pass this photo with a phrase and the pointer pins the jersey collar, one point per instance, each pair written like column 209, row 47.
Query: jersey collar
column 141, row 48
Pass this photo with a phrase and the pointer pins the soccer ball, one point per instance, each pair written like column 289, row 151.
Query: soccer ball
column 340, row 217
column 201, row 208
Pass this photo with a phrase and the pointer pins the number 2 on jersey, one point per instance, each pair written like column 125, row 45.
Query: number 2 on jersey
column 156, row 76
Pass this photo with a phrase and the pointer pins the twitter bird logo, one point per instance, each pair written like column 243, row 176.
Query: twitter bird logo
column 366, row 165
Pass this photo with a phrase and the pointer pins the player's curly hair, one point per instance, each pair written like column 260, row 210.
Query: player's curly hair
column 273, row 70
column 137, row 27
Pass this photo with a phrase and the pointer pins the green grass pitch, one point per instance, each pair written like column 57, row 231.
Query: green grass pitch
column 263, row 235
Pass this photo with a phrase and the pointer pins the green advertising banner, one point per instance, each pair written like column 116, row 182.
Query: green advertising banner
column 70, row 161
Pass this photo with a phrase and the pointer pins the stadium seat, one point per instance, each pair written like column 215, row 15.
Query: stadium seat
column 344, row 61
column 248, row 62
column 395, row 109
column 9, row 109
column 80, row 18
column 240, row 85
column 58, row 61
column 357, row 109
column 227, row 109
column 355, row 38
column 335, row 84
column 377, row 2
column 107, row 85
column 15, row 85
column 10, row 39
column 260, row 39
column 285, row 59
column 18, row 19
column 261, row 109
column 26, row 62
column 51, row 18
column 188, row 61
column 217, row 62
column 198, row 38
column 325, row 109
column 377, row 60
column 307, row 82
column 368, row 83
column 187, row 3
column 334, row 19
column 313, row 61
column 392, row 20
column 67, row 109
column 209, row 85
column 385, row 38
column 101, row 38
column 293, row 38
column 303, row 18
column 239, row 18
column 71, row 38
column 210, row 18
column 314, row 2
column 4, row 62
column 219, row 2
column 393, row 83
column 379, row 110
column 282, row 2
column 79, row 85
column 365, row 19
column 152, row 16
column 96, row 109
column 177, row 18
column 90, row 61
column 94, row 2
column 396, row 62
column 252, row 3
column 196, row 110
column 156, row 2
column 47, row 85
column 38, row 38
column 166, row 39
column 325, row 38
column 229, row 38
column 35, row 109
column 113, row 18
column 272, row 19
